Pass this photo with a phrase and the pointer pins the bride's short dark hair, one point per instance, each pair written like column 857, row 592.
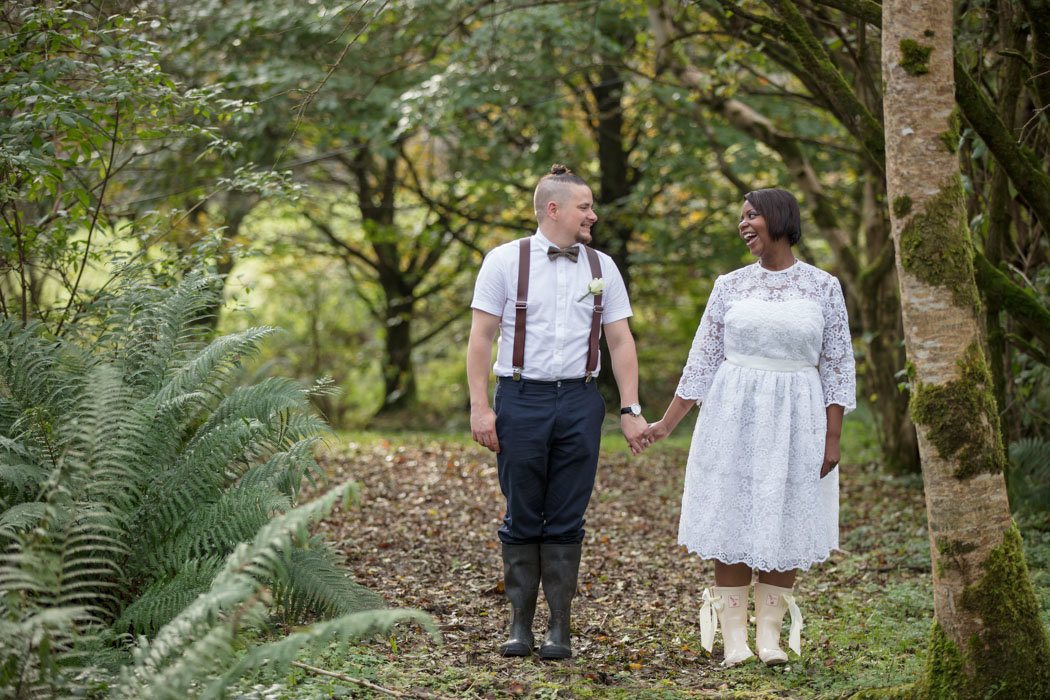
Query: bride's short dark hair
column 780, row 210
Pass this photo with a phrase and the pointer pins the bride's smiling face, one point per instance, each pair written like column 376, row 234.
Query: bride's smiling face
column 753, row 230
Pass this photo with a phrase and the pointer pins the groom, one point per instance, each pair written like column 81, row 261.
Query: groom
column 550, row 297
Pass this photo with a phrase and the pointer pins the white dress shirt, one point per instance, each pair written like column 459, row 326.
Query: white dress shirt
column 558, row 319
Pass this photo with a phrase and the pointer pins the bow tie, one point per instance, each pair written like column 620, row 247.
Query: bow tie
column 572, row 253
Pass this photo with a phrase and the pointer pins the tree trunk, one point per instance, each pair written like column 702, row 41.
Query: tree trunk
column 615, row 227
column 987, row 634
column 880, row 317
column 399, row 378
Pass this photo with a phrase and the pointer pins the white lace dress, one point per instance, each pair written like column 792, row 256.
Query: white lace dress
column 772, row 352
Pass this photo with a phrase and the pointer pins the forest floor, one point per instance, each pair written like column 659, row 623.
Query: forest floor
column 423, row 535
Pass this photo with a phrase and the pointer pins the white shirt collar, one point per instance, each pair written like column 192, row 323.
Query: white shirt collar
column 545, row 242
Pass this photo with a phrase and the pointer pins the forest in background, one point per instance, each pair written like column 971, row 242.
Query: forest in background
column 347, row 167
column 338, row 170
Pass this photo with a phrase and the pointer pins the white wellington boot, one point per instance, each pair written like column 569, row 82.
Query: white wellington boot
column 732, row 614
column 771, row 602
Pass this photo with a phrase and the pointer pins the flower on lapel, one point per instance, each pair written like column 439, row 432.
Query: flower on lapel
column 595, row 286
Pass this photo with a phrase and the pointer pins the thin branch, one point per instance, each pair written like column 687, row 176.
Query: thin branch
column 356, row 681
column 339, row 243
column 440, row 327
column 94, row 218
column 313, row 93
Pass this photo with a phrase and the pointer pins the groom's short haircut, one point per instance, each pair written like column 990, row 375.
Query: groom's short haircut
column 780, row 210
column 552, row 188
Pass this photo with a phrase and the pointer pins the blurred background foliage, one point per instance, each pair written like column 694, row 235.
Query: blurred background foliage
column 344, row 166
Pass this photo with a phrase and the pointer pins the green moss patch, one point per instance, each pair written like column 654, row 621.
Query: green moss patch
column 944, row 667
column 936, row 246
column 962, row 418
column 915, row 57
column 901, row 206
column 950, row 136
column 1009, row 654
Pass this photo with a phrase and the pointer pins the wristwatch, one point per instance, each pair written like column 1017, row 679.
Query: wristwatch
column 634, row 409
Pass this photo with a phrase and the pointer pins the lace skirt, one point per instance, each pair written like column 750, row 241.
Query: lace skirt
column 753, row 492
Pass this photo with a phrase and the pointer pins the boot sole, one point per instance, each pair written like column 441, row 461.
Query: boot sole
column 517, row 649
column 555, row 653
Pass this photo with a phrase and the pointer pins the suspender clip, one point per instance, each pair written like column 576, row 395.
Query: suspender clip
column 521, row 305
column 599, row 308
column 517, row 374
column 589, row 378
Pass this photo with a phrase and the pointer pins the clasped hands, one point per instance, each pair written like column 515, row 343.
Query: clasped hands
column 638, row 433
column 649, row 434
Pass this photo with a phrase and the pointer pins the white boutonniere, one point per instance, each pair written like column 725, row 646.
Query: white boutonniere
column 595, row 286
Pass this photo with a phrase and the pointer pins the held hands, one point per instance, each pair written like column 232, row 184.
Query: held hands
column 483, row 427
column 657, row 431
column 633, row 428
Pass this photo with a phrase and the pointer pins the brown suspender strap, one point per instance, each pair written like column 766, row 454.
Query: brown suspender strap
column 596, row 315
column 521, row 305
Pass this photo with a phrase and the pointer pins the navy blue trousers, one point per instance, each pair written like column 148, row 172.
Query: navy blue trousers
column 549, row 434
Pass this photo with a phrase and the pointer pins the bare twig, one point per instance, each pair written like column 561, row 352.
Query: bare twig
column 94, row 218
column 313, row 93
column 355, row 681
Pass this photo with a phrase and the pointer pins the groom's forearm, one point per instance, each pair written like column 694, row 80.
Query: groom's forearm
column 624, row 358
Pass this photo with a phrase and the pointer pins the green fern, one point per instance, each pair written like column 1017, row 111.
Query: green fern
column 129, row 469
column 162, row 601
column 192, row 648
column 324, row 591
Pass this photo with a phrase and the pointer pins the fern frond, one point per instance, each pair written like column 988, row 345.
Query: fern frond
column 33, row 371
column 280, row 654
column 315, row 585
column 236, row 584
column 214, row 529
column 271, row 402
column 20, row 479
column 162, row 601
column 283, row 470
column 19, row 518
column 212, row 368
column 150, row 329
column 35, row 648
column 1028, row 476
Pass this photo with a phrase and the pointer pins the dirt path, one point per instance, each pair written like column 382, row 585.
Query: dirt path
column 424, row 535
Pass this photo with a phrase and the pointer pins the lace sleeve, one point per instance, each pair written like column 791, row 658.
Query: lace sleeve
column 837, row 367
column 708, row 349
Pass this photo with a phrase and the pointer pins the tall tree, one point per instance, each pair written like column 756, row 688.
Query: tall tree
column 987, row 634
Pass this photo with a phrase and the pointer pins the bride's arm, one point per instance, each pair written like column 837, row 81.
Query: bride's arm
column 674, row 414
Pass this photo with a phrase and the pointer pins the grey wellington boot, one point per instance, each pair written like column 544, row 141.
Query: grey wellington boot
column 560, row 567
column 521, row 581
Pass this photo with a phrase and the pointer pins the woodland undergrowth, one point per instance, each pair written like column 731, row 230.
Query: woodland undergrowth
column 425, row 536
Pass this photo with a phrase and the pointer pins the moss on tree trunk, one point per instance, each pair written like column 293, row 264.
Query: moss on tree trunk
column 1009, row 653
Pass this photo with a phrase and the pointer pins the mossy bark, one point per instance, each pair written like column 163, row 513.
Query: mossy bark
column 1008, row 654
column 1019, row 303
column 843, row 102
column 986, row 636
column 1023, row 167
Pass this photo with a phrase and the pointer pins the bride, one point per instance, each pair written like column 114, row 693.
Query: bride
column 772, row 367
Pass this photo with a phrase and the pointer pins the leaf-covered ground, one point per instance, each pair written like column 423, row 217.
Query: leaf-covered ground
column 424, row 535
